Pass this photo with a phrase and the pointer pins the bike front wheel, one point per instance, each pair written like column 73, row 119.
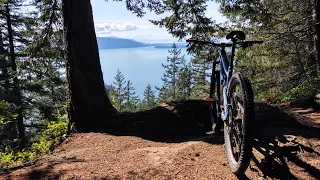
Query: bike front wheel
column 238, row 133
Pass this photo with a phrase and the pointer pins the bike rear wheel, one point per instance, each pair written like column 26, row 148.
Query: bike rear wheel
column 238, row 127
column 215, row 119
column 214, row 107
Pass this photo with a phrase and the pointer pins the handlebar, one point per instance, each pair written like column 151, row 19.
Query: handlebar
column 242, row 43
column 193, row 41
column 208, row 42
column 254, row 42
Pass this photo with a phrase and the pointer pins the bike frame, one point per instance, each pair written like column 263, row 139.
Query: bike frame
column 226, row 69
column 225, row 74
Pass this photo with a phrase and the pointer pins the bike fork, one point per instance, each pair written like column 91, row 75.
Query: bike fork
column 224, row 112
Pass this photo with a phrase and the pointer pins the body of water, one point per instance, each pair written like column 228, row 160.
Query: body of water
column 141, row 65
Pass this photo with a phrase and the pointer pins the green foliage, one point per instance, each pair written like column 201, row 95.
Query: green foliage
column 306, row 90
column 62, row 113
column 131, row 100
column 5, row 114
column 285, row 59
column 113, row 101
column 274, row 95
column 43, row 147
column 175, row 63
column 49, row 138
column 122, row 95
column 188, row 18
column 149, row 100
column 271, row 97
column 118, row 90
column 31, row 77
column 200, row 91
column 10, row 156
column 185, row 82
column 7, row 157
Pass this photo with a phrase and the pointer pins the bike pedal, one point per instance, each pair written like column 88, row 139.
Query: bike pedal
column 209, row 99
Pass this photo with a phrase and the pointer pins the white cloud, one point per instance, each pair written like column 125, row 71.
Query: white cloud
column 107, row 28
column 137, row 30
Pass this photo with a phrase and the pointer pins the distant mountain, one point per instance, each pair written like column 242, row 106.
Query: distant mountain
column 118, row 43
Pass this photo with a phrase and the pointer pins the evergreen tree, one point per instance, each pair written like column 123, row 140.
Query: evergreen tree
column 43, row 68
column 185, row 82
column 149, row 99
column 170, row 77
column 12, row 44
column 7, row 126
column 32, row 69
column 163, row 94
column 200, row 67
column 187, row 18
column 119, row 91
column 131, row 100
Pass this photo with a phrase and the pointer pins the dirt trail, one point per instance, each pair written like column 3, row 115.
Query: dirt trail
column 284, row 149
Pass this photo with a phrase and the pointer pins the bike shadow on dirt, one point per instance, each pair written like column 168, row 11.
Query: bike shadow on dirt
column 282, row 144
column 45, row 171
column 278, row 136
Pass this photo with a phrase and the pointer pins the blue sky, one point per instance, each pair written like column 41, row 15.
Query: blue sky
column 113, row 19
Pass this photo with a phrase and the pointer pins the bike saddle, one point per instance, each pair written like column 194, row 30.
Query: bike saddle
column 240, row 35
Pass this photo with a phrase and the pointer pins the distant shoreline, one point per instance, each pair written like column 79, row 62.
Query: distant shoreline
column 121, row 43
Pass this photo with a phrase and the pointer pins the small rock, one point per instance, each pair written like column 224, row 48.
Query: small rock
column 224, row 164
column 71, row 157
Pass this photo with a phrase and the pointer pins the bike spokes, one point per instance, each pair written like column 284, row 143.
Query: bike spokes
column 235, row 123
column 236, row 139
column 238, row 136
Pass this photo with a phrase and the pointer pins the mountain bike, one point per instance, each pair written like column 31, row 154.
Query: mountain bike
column 231, row 102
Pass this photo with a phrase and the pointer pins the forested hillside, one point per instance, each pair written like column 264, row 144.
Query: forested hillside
column 51, row 82
column 32, row 79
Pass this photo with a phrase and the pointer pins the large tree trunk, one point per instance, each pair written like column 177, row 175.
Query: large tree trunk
column 89, row 105
column 16, row 86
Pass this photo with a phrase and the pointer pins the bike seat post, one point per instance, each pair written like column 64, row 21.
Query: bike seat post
column 230, row 69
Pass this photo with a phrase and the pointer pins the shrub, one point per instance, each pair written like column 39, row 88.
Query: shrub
column 271, row 97
column 306, row 90
column 10, row 156
column 49, row 138
column 5, row 114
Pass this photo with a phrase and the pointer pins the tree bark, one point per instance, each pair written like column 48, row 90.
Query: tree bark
column 3, row 62
column 16, row 86
column 89, row 105
column 310, row 61
column 316, row 19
